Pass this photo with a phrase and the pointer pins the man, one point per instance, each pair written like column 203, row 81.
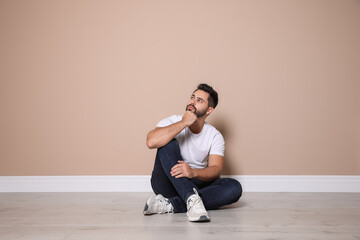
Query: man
column 189, row 160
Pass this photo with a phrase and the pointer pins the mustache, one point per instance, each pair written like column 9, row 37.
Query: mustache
column 187, row 107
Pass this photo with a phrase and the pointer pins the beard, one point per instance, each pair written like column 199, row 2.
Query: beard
column 194, row 110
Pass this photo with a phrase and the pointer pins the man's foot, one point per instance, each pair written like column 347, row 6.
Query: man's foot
column 158, row 204
column 196, row 209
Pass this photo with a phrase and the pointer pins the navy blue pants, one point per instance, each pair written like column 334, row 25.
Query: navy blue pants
column 215, row 194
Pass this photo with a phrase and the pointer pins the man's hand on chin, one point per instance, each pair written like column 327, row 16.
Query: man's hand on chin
column 189, row 118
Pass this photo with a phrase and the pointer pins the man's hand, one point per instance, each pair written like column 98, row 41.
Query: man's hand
column 189, row 118
column 182, row 169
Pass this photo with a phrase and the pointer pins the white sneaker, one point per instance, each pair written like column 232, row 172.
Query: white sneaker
column 196, row 209
column 158, row 204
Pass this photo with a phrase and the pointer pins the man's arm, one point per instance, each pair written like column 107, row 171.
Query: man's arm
column 161, row 136
column 211, row 172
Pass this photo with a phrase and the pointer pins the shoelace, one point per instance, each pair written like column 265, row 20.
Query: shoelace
column 193, row 201
column 163, row 206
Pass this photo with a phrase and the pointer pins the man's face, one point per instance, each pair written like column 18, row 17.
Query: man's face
column 198, row 103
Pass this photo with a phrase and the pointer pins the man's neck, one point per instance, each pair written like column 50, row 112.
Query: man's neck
column 198, row 125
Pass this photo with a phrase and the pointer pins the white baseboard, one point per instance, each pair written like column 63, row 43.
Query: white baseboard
column 141, row 183
column 300, row 183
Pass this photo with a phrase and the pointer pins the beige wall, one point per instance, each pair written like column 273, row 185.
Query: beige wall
column 82, row 82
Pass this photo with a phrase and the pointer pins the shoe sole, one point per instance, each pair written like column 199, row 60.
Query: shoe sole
column 202, row 218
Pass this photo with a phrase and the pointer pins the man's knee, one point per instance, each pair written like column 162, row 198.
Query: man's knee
column 234, row 190
column 171, row 149
column 173, row 144
column 237, row 190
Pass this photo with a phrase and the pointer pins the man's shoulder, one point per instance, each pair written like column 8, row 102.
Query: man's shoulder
column 212, row 129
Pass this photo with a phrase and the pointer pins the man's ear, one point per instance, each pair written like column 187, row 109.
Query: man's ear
column 210, row 110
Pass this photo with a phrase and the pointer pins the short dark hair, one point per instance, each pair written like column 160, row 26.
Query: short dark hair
column 213, row 95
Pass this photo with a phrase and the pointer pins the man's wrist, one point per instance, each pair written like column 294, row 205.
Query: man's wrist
column 194, row 173
column 183, row 124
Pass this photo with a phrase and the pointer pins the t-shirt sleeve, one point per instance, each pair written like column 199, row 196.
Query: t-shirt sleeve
column 218, row 145
column 168, row 121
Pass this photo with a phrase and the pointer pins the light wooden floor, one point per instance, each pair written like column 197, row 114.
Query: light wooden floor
column 257, row 216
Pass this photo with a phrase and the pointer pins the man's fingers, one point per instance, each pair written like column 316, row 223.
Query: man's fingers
column 179, row 170
column 175, row 171
column 177, row 165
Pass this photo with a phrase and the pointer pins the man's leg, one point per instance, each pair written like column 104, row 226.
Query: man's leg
column 163, row 183
column 169, row 155
column 160, row 183
column 221, row 192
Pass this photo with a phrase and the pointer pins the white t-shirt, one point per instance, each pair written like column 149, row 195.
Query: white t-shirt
column 196, row 148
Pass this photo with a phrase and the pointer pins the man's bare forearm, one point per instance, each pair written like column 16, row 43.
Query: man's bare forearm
column 163, row 135
column 206, row 174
